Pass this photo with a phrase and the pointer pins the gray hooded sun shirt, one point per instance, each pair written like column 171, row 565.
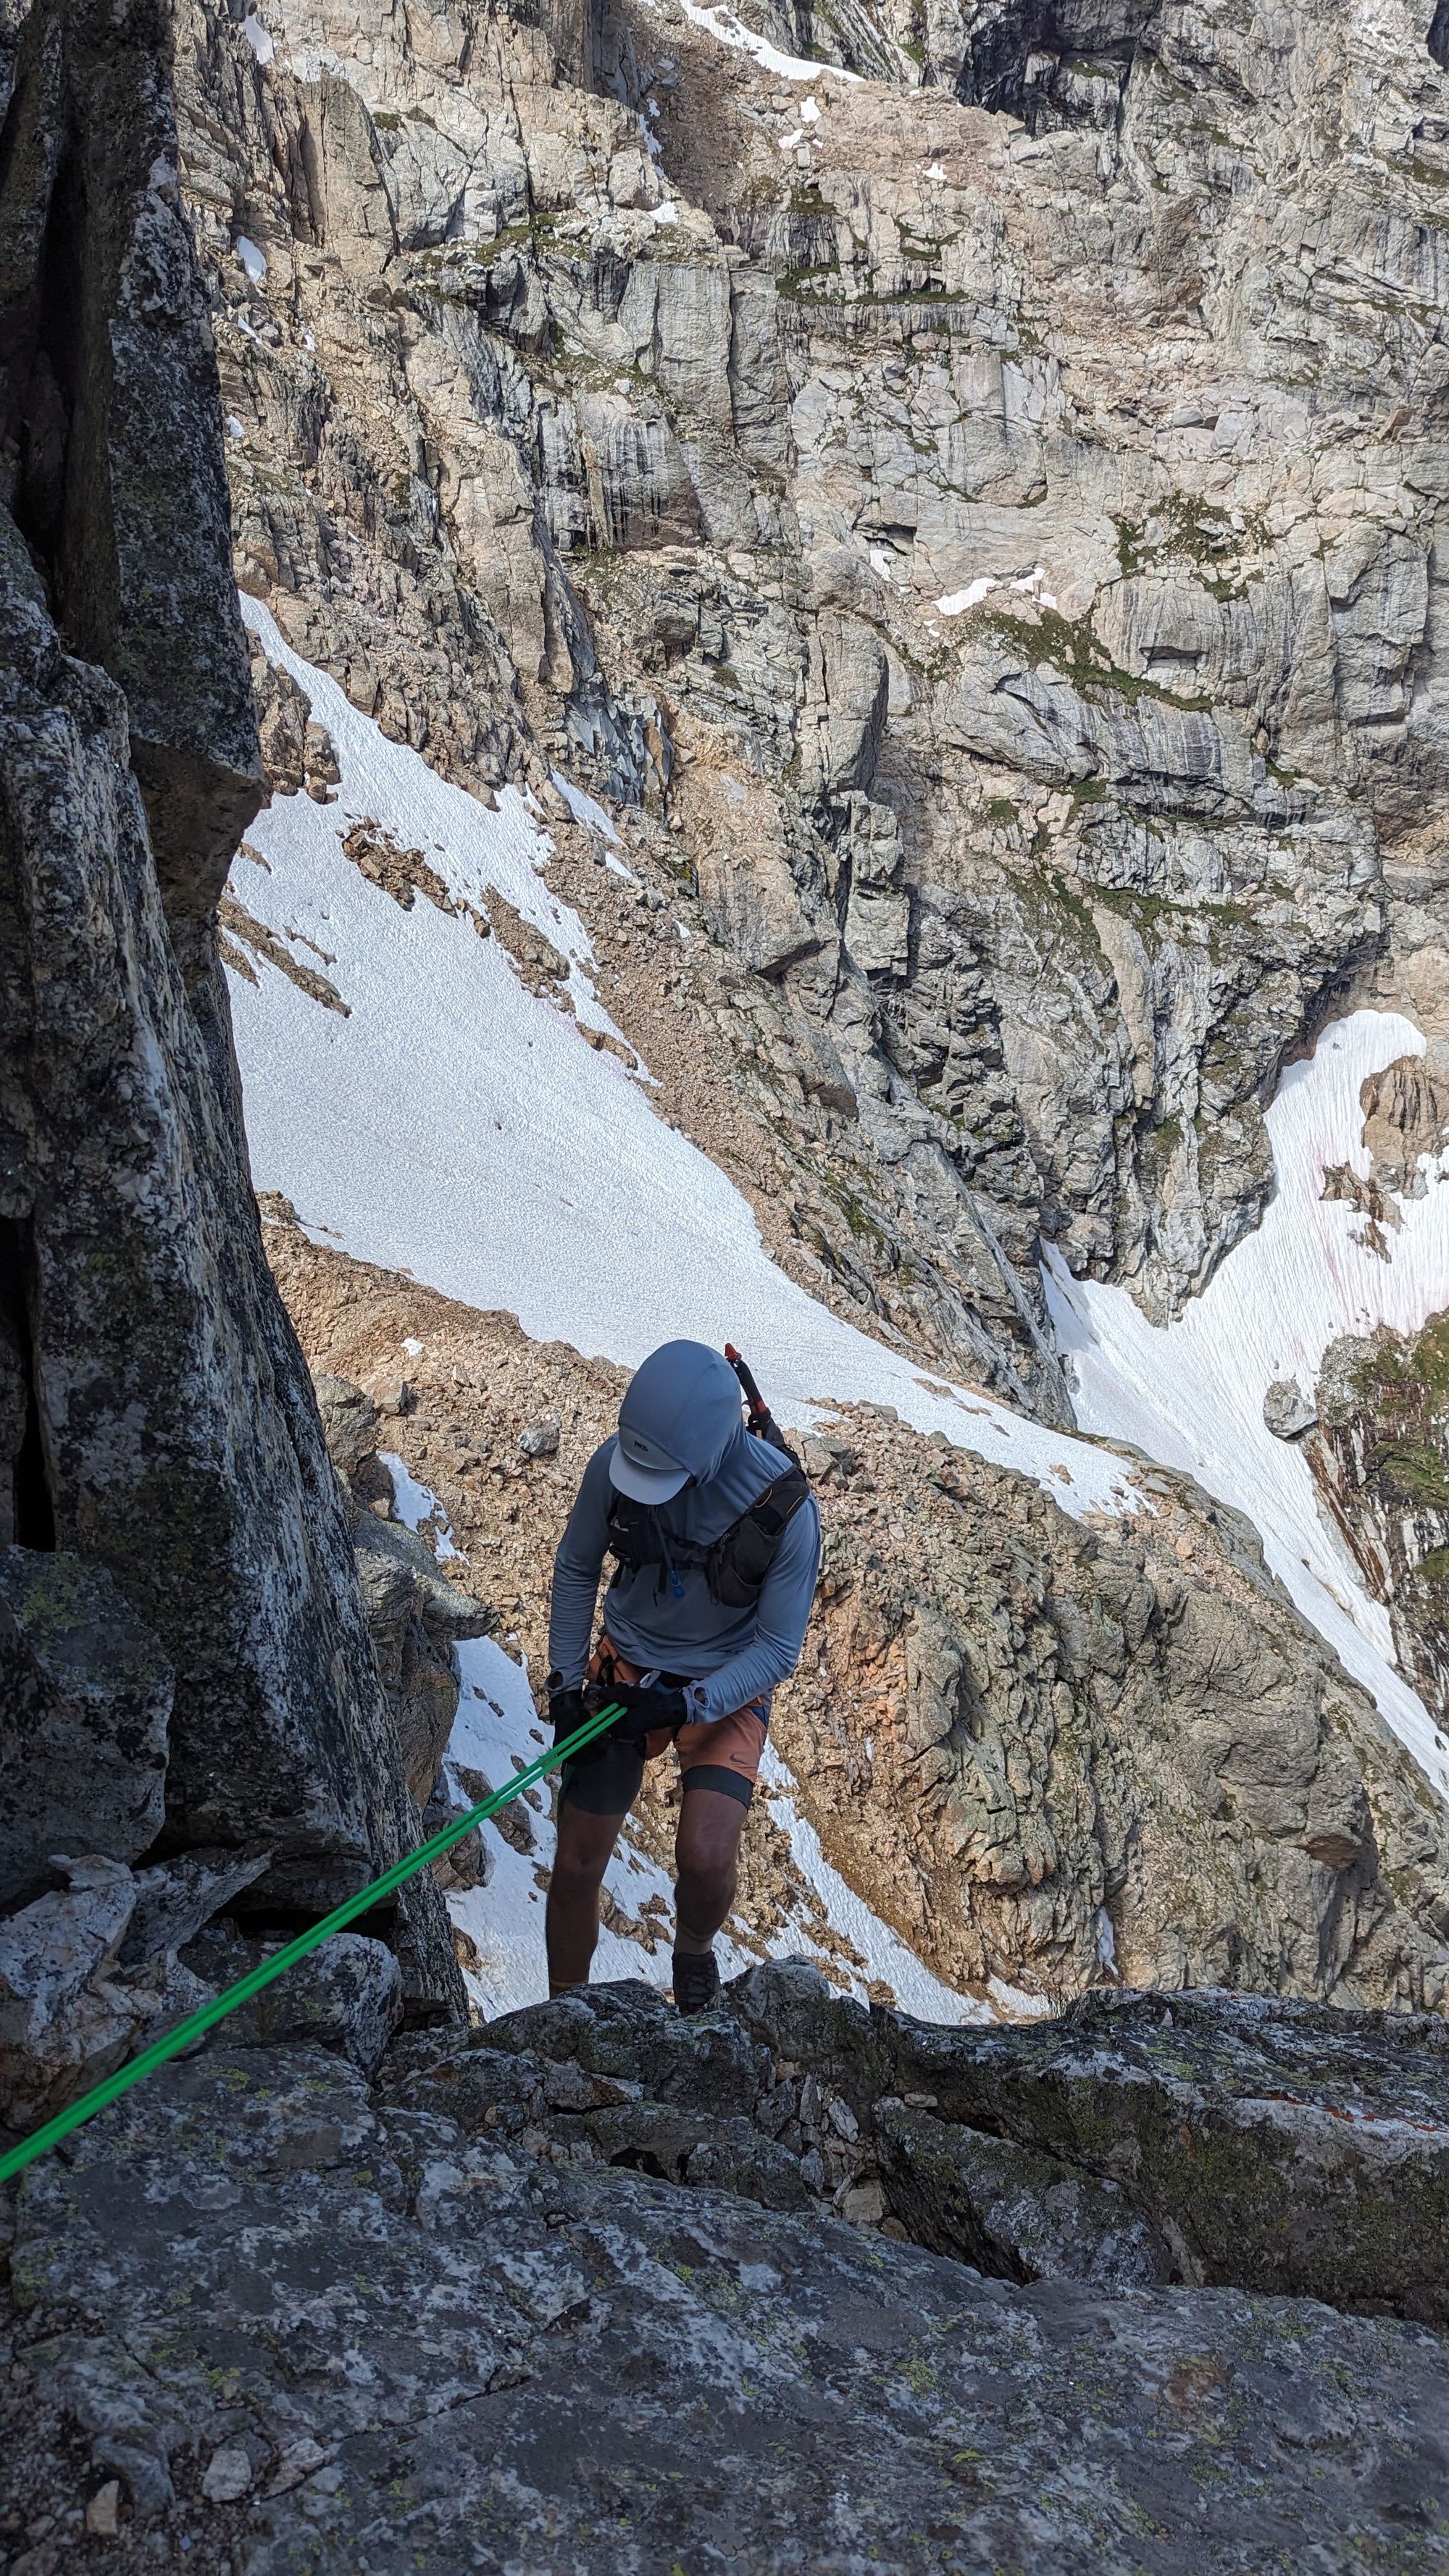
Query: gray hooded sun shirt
column 686, row 1401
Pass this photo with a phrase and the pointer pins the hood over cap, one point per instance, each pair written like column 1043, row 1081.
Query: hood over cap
column 680, row 1416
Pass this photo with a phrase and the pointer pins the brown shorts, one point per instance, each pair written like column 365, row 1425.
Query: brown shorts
column 725, row 1755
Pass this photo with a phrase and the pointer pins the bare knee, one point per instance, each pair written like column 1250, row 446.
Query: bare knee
column 578, row 1869
column 584, row 1848
column 708, row 1841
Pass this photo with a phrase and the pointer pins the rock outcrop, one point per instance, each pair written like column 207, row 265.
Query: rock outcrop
column 158, row 1426
column 91, row 1970
column 1102, row 1753
column 87, row 1697
column 1380, row 1458
column 1212, row 2138
column 479, row 2323
column 415, row 1618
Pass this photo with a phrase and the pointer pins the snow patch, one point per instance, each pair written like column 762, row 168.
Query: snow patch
column 497, row 1731
column 587, row 809
column 252, row 260
column 726, row 29
column 886, row 1956
column 1191, row 1393
column 257, row 37
column 1028, row 585
column 419, row 1510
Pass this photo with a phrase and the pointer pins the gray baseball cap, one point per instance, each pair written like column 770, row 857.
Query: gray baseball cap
column 644, row 1471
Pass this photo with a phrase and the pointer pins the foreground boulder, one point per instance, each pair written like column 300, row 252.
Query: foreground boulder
column 296, row 2329
column 91, row 1970
column 1012, row 2212
column 1206, row 2138
column 1269, row 2143
column 1278, row 2145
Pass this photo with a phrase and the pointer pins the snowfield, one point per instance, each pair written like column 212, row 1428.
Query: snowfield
column 1191, row 1393
column 721, row 22
column 457, row 1129
column 448, row 1124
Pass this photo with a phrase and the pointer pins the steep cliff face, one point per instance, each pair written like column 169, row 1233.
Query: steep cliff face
column 1380, row 1455
column 1000, row 562
column 158, row 1426
column 1030, row 743
column 972, row 523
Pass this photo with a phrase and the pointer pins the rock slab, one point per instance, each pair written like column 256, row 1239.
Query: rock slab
column 427, row 2349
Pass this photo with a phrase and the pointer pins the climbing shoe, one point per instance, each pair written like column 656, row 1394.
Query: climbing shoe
column 696, row 1980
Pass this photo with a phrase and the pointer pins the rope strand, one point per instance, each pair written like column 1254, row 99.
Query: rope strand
column 197, row 2024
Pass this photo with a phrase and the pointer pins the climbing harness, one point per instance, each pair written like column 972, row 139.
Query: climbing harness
column 197, row 2024
column 736, row 1563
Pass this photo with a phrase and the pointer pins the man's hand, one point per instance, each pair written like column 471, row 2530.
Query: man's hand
column 645, row 1707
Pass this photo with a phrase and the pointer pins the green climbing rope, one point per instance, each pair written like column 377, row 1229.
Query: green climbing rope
column 197, row 2024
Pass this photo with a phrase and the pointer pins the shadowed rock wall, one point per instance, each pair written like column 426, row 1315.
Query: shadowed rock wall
column 155, row 1414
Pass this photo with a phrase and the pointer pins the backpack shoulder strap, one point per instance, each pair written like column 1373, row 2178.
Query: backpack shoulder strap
column 779, row 1502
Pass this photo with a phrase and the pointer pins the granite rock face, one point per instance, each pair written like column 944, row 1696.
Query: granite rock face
column 1380, row 1459
column 111, row 403
column 158, row 1421
column 1100, row 1754
column 911, row 515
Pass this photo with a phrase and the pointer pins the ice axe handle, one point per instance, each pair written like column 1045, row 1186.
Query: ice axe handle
column 745, row 1375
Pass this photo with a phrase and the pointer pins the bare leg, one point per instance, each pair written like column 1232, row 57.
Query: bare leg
column 571, row 1920
column 706, row 1861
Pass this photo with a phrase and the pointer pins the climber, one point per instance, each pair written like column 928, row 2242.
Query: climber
column 717, row 1541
